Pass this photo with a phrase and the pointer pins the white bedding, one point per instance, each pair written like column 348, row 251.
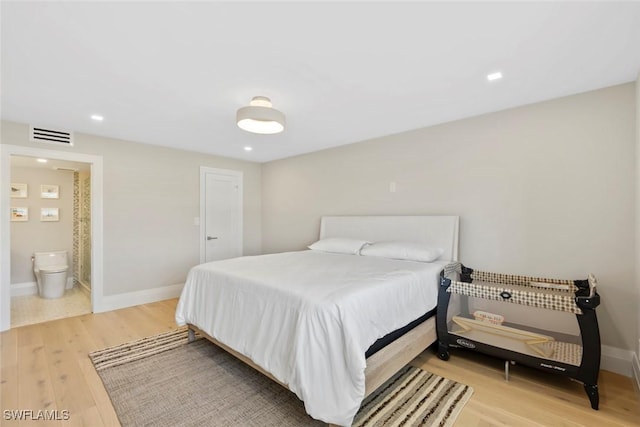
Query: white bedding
column 308, row 317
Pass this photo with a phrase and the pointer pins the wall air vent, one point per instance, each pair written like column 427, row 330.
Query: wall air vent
column 51, row 136
column 66, row 169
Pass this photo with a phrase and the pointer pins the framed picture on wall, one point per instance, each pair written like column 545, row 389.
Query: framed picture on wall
column 49, row 214
column 18, row 191
column 48, row 191
column 19, row 214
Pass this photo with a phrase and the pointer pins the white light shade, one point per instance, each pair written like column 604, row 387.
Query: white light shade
column 260, row 117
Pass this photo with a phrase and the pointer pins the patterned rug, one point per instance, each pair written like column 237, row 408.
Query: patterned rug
column 164, row 381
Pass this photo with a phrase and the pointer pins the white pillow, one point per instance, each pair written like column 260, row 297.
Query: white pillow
column 410, row 251
column 339, row 245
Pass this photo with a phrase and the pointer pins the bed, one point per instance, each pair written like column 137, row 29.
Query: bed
column 307, row 318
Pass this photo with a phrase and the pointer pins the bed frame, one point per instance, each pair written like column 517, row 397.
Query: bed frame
column 438, row 231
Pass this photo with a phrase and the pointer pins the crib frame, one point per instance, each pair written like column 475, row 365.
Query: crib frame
column 574, row 296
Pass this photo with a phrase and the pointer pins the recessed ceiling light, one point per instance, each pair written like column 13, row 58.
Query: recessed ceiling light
column 97, row 118
column 41, row 160
column 248, row 148
column 494, row 76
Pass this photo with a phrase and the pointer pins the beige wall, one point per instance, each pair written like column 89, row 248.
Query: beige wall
column 546, row 189
column 35, row 235
column 151, row 197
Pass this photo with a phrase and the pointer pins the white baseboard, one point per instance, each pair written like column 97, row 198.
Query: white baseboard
column 636, row 370
column 22, row 289
column 617, row 360
column 129, row 299
column 31, row 288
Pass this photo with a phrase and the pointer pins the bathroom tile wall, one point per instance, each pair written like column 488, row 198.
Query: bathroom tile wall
column 76, row 227
column 82, row 228
column 34, row 235
column 84, row 235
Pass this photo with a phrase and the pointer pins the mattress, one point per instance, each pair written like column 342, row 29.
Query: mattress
column 308, row 317
column 394, row 335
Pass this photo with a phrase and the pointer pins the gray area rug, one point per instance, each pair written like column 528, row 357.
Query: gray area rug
column 163, row 381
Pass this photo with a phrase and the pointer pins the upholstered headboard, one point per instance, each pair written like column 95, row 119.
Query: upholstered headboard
column 437, row 231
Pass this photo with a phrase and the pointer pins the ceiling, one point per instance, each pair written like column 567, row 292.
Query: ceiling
column 174, row 73
column 31, row 162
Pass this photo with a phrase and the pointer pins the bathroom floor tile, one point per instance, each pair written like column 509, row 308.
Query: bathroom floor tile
column 29, row 309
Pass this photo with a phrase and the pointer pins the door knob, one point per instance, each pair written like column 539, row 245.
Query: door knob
column 211, row 238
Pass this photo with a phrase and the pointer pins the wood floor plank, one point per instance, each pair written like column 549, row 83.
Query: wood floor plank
column 108, row 329
column 531, row 397
column 9, row 370
column 77, row 338
column 484, row 414
column 145, row 324
column 34, row 360
column 102, row 401
column 163, row 314
column 70, row 389
column 35, row 390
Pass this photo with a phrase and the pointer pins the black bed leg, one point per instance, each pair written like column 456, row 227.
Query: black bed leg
column 592, row 392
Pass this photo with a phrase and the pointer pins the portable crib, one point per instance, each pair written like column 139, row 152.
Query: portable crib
column 522, row 319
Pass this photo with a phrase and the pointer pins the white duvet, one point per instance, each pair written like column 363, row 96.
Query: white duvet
column 308, row 317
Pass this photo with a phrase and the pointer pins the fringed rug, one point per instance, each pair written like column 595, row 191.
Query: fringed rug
column 163, row 381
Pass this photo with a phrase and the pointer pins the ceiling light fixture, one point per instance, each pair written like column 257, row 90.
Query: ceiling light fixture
column 494, row 76
column 97, row 118
column 41, row 160
column 247, row 148
column 260, row 117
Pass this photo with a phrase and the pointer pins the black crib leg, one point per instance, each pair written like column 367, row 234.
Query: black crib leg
column 443, row 350
column 592, row 392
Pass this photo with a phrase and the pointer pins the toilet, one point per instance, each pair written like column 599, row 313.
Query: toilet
column 51, row 273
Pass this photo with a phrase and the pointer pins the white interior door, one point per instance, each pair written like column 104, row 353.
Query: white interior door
column 222, row 219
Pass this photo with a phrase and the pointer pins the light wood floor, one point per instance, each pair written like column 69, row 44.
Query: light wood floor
column 45, row 366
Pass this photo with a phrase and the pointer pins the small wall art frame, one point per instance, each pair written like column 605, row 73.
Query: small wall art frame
column 19, row 214
column 49, row 214
column 49, row 191
column 19, row 190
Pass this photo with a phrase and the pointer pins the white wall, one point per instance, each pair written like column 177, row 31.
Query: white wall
column 151, row 197
column 545, row 190
column 37, row 236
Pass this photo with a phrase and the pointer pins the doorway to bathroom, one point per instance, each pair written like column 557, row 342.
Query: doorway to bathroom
column 46, row 215
column 50, row 227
